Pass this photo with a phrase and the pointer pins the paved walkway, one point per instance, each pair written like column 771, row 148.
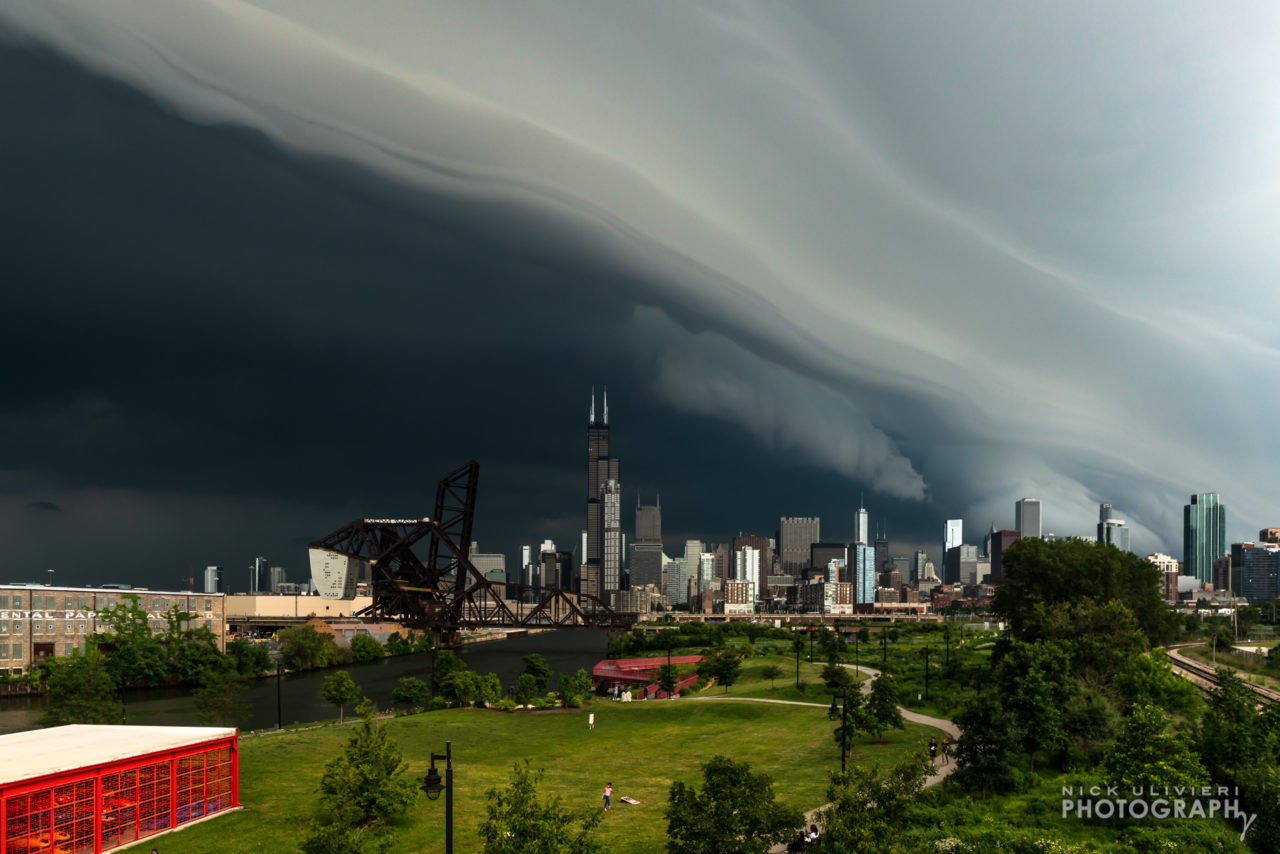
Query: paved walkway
column 940, row 771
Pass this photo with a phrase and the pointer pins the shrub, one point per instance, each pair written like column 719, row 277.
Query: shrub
column 506, row 704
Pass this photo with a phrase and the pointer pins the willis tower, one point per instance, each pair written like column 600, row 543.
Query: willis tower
column 602, row 564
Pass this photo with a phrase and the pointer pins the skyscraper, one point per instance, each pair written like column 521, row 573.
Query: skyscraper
column 212, row 576
column 602, row 563
column 795, row 535
column 1026, row 517
column 862, row 573
column 1111, row 530
column 860, row 530
column 646, row 550
column 258, row 574
column 952, row 534
column 1204, row 535
column 1000, row 542
column 763, row 547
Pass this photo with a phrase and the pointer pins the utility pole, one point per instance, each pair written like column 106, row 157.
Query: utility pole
column 884, row 646
column 926, row 652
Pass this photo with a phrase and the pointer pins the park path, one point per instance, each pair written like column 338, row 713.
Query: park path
column 940, row 770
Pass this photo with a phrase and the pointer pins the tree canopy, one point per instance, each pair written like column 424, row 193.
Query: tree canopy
column 362, row 790
column 81, row 690
column 734, row 813
column 1073, row 572
column 518, row 821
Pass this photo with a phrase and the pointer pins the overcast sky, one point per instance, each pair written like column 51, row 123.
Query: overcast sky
column 274, row 265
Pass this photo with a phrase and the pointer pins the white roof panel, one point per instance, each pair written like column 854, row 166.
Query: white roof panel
column 35, row 753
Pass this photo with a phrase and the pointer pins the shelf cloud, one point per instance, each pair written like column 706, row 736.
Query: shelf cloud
column 953, row 254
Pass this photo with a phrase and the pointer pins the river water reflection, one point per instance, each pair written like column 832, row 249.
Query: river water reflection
column 565, row 651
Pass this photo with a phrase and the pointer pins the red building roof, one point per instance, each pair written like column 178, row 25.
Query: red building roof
column 636, row 670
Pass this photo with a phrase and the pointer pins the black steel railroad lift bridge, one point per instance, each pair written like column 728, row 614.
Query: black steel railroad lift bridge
column 421, row 576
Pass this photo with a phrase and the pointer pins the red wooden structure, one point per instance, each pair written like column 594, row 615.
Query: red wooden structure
column 87, row 789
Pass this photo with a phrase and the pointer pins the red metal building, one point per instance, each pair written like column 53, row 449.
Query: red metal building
column 87, row 789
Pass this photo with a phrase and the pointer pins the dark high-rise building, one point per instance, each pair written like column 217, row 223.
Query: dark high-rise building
column 821, row 554
column 1000, row 542
column 649, row 523
column 795, row 535
column 881, row 545
column 602, row 563
column 1204, row 535
column 1259, row 572
column 960, row 565
column 646, row 550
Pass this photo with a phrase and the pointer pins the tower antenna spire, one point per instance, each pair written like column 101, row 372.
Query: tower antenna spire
column 591, row 417
column 606, row 404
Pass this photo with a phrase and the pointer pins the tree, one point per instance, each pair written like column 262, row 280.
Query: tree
column 723, row 666
column 442, row 667
column 361, row 791
column 668, row 676
column 519, row 822
column 1088, row 720
column 1231, row 731
column 882, row 710
column 411, row 691
column 365, row 647
column 305, row 648
column 81, row 690
column 339, row 689
column 772, row 672
column 463, row 686
column 575, row 688
column 249, row 659
column 867, row 808
column 218, row 700
column 734, row 813
column 728, row 668
column 988, row 741
column 1146, row 754
column 526, row 689
column 538, row 669
column 836, row 678
column 490, row 689
column 1057, row 573
column 134, row 655
column 1150, row 679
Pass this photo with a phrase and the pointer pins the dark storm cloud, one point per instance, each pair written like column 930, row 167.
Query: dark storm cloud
column 43, row 506
column 953, row 258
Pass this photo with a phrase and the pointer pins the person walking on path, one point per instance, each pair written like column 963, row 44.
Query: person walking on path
column 591, row 720
column 946, row 751
column 933, row 749
column 608, row 792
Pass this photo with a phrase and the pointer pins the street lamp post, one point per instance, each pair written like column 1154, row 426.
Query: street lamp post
column 433, row 787
column 277, row 656
column 926, row 651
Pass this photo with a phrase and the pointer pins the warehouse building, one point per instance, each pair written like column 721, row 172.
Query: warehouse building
column 86, row 789
column 38, row 621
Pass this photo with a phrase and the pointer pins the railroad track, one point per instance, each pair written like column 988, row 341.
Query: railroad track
column 1203, row 674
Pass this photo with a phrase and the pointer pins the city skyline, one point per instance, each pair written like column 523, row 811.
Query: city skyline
column 239, row 292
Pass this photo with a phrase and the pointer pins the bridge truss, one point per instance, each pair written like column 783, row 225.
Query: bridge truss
column 423, row 579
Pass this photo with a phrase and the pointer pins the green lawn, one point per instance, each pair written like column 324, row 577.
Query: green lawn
column 640, row 747
column 751, row 681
